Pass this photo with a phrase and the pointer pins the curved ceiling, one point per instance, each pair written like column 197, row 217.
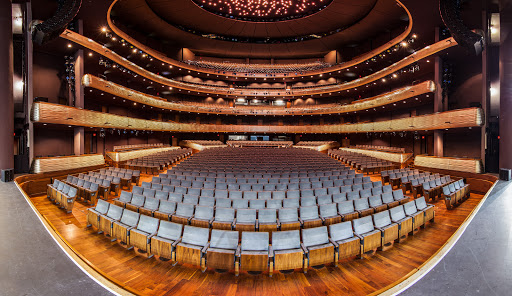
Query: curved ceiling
column 181, row 23
column 263, row 11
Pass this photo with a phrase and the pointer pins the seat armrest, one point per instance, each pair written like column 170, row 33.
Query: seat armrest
column 334, row 243
column 300, row 220
column 176, row 242
column 150, row 236
column 270, row 252
column 203, row 250
column 128, row 230
column 359, row 236
column 257, row 224
column 188, row 219
column 234, row 222
column 238, row 250
column 211, row 221
column 379, row 229
column 304, row 249
column 322, row 218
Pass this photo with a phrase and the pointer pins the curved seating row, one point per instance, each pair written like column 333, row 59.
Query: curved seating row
column 259, row 184
column 255, row 251
column 62, row 194
column 262, row 215
column 89, row 188
column 113, row 171
column 153, row 164
column 455, row 193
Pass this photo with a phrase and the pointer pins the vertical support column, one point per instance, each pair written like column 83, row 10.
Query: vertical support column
column 485, row 89
column 505, row 120
column 29, row 86
column 79, row 139
column 6, row 91
column 438, row 101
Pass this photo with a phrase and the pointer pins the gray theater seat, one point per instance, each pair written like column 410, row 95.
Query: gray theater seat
column 193, row 245
column 347, row 244
column 318, row 248
column 255, row 252
column 223, row 250
column 288, row 250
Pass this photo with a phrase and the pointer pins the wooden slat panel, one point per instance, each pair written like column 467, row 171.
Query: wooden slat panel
column 59, row 114
column 470, row 165
column 146, row 99
column 52, row 164
column 124, row 156
column 390, row 156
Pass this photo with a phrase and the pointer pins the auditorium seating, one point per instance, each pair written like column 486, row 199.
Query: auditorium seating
column 282, row 144
column 93, row 214
column 121, row 229
column 192, row 247
column 455, row 193
column 62, row 194
column 289, row 249
column 366, row 164
column 155, row 163
column 259, row 68
column 163, row 244
column 346, row 243
column 317, row 247
column 255, row 252
column 223, row 250
column 136, row 147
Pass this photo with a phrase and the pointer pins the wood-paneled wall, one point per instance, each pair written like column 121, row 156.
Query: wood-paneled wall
column 124, row 156
column 389, row 156
column 59, row 114
column 470, row 165
column 52, row 164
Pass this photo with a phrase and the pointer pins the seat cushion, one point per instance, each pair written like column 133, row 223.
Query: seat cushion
column 319, row 246
column 190, row 246
column 254, row 252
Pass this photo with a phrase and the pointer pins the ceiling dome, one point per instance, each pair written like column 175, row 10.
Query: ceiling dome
column 263, row 10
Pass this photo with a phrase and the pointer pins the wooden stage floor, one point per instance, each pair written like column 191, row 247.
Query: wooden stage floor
column 353, row 276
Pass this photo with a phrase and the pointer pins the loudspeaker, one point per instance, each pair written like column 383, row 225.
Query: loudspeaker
column 450, row 13
column 7, row 175
column 505, row 174
column 42, row 32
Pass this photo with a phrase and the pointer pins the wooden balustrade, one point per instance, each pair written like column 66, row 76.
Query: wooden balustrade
column 470, row 165
column 389, row 156
column 124, row 156
column 60, row 114
column 354, row 62
column 226, row 91
column 60, row 163
column 372, row 102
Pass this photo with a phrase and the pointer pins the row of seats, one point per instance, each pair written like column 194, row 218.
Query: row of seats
column 430, row 186
column 259, row 68
column 136, row 147
column 384, row 175
column 410, row 182
column 178, row 171
column 261, row 184
column 455, row 193
column 89, row 188
column 281, row 144
column 153, row 164
column 395, row 178
column 364, row 163
column 113, row 171
column 220, row 212
column 62, row 194
column 257, row 251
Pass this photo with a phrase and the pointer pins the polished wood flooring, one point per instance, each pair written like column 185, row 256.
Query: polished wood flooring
column 353, row 276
